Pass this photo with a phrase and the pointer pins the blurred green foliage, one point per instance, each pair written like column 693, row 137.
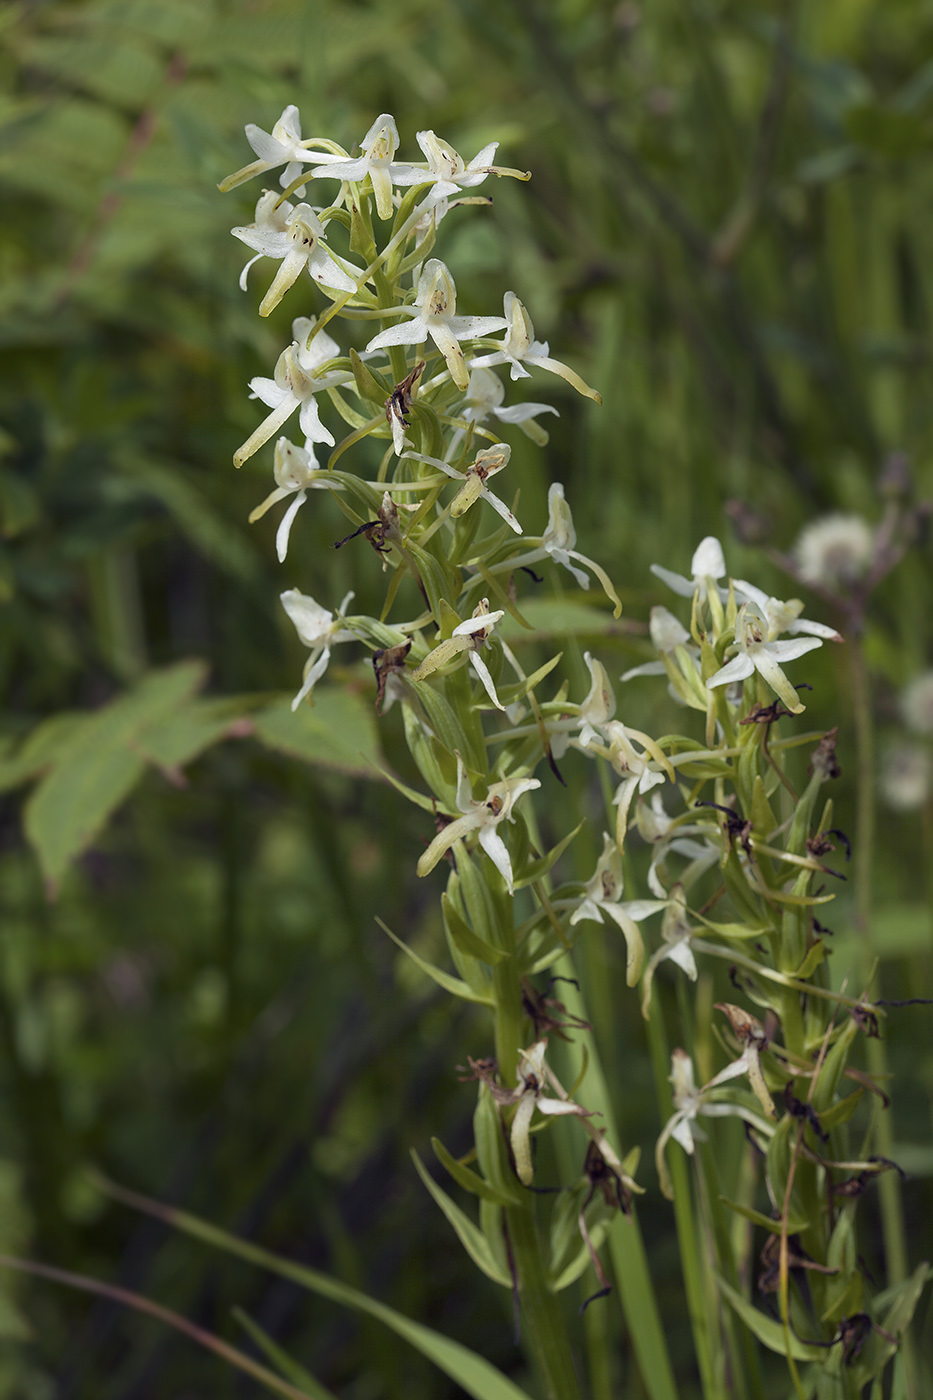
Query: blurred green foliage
column 727, row 231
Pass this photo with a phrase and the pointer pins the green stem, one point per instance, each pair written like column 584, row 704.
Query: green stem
column 690, row 1259
column 546, row 1341
column 889, row 1186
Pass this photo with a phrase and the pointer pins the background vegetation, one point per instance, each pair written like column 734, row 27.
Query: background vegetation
column 727, row 231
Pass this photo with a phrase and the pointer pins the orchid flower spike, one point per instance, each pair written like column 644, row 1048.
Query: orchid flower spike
column 378, row 162
column 483, row 817
column 520, row 348
column 319, row 630
column 434, row 317
column 298, row 242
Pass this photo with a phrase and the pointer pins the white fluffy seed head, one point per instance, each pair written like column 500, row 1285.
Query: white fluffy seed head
column 917, row 704
column 906, row 777
column 835, row 551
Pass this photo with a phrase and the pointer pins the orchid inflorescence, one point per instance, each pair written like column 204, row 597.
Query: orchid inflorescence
column 736, row 874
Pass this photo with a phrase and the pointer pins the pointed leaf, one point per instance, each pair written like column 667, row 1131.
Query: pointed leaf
column 337, row 731
column 471, row 1181
column 469, row 1370
column 469, row 1235
column 443, row 979
column 769, row 1332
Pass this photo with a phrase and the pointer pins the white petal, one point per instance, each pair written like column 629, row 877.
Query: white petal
column 284, row 530
column 495, row 848
column 685, row 587
column 482, row 670
column 738, row 669
column 708, row 559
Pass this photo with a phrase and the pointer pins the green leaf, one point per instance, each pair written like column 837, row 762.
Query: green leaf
column 765, row 1222
column 446, row 724
column 471, row 1181
column 769, row 1333
column 338, row 731
column 476, row 1376
column 537, row 869
column 443, row 979
column 181, row 738
column 71, row 805
column 47, row 742
column 470, row 1236
column 464, row 937
column 841, row 1112
column 371, row 386
column 289, row 1368
column 97, row 764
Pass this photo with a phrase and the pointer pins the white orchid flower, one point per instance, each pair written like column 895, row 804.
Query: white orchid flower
column 378, row 162
column 533, row 1077
column 781, row 616
column 758, row 652
column 690, row 1103
column 487, row 463
column 447, row 171
column 467, row 637
column 319, row 630
column 600, row 704
column 434, row 317
column 676, row 933
column 707, row 567
column 602, row 896
column 296, row 472
column 283, row 146
column 558, row 544
column 483, row 818
column 520, row 348
column 485, row 396
column 640, row 772
column 298, row 242
column 666, row 834
column 295, row 385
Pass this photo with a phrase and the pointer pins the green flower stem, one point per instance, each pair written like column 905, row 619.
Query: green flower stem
column 545, row 1341
column 696, row 1285
column 627, row 1250
column 889, row 1186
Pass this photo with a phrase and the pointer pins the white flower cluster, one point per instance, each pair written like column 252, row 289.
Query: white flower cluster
column 754, row 620
column 451, row 376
